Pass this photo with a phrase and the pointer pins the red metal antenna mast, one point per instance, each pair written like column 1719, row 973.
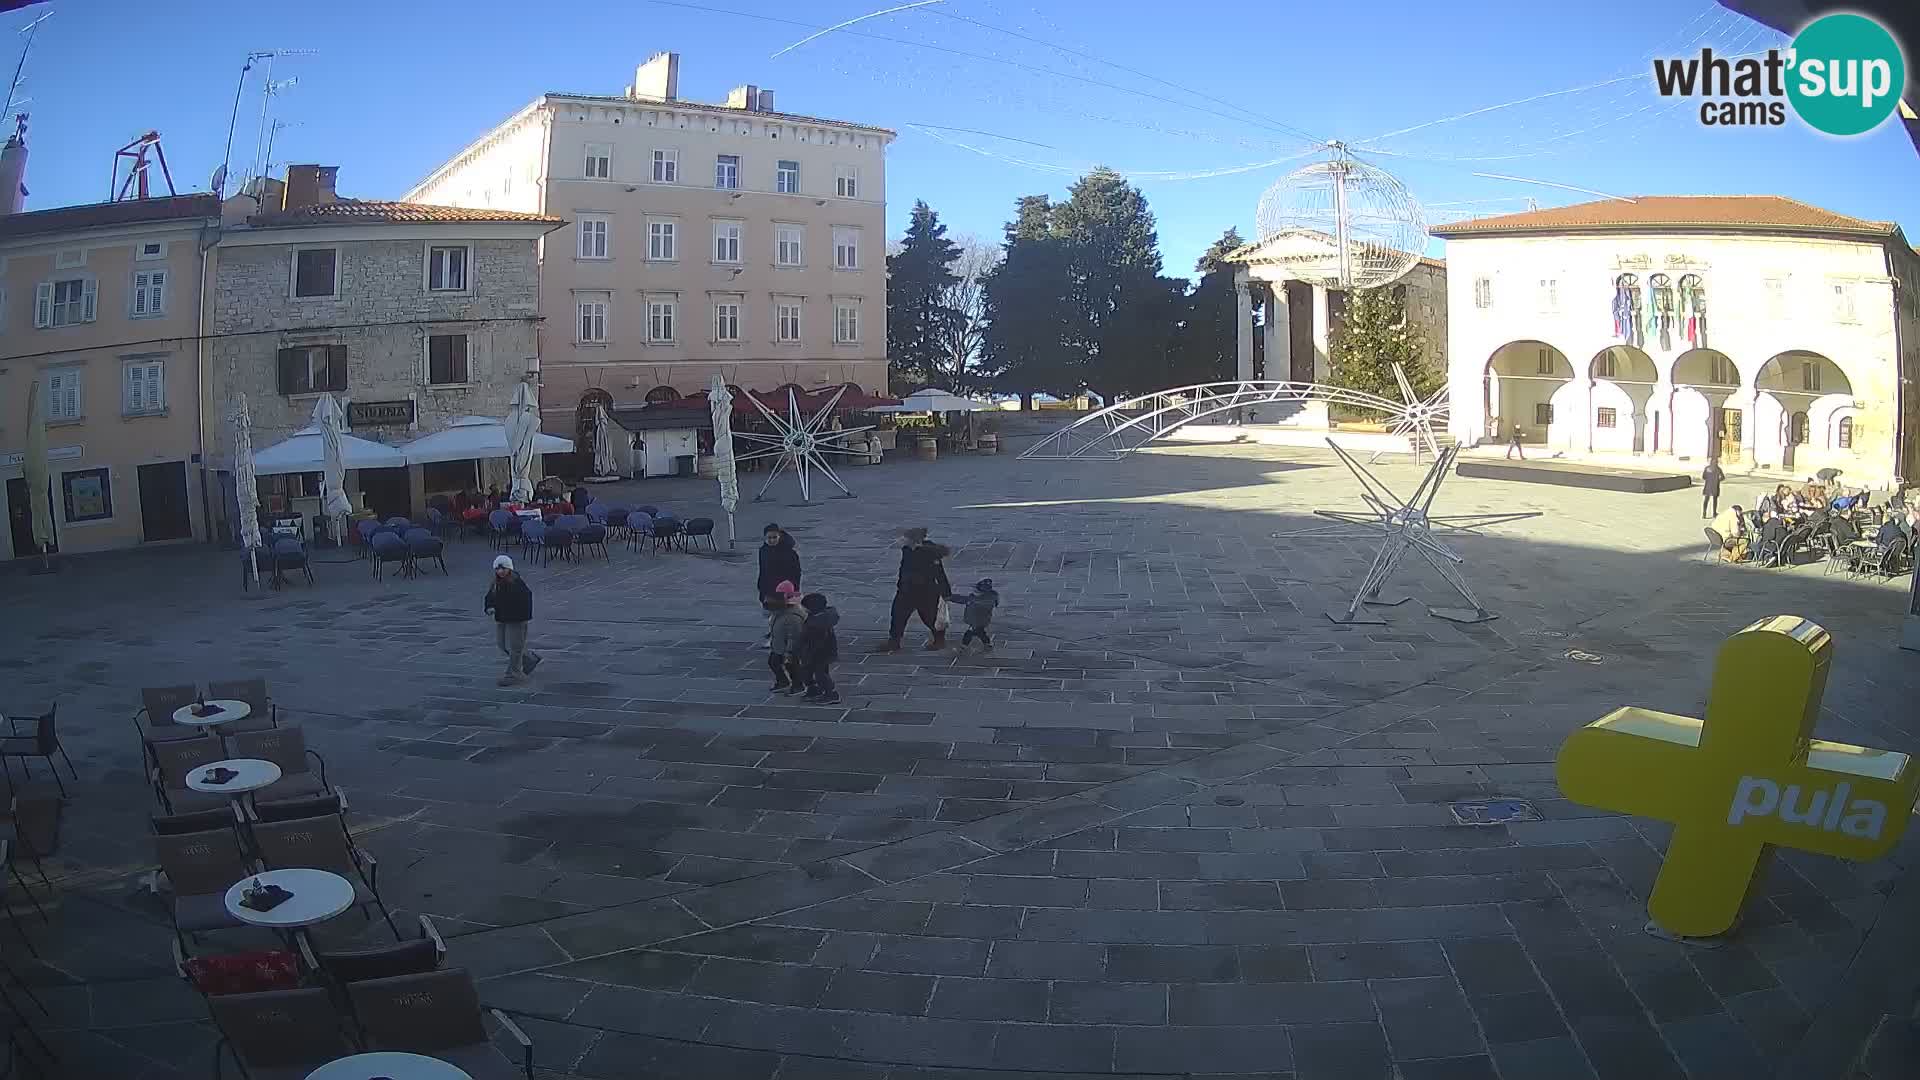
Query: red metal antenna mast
column 136, row 151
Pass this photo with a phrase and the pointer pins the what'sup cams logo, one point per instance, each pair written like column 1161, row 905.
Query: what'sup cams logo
column 1843, row 74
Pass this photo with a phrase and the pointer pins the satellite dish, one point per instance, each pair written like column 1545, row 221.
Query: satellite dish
column 217, row 183
column 1343, row 224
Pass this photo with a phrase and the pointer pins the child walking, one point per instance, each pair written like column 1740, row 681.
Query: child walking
column 784, row 619
column 511, row 602
column 979, row 613
column 819, row 647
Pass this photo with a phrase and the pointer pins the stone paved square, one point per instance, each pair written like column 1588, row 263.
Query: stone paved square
column 1175, row 823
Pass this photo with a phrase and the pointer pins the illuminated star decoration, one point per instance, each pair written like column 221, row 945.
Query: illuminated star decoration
column 800, row 444
column 1416, row 420
column 1407, row 525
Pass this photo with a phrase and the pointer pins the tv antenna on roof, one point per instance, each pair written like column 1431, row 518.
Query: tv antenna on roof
column 233, row 120
column 31, row 29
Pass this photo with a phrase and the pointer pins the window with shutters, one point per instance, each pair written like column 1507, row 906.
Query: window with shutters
column 786, row 322
column 1724, row 373
column 64, row 302
column 846, row 181
column 726, row 172
column 63, row 395
column 788, row 245
column 660, row 315
column 846, row 323
column 599, row 163
column 1606, row 418
column 661, row 237
column 312, row 369
column 592, row 311
column 1843, row 306
column 666, row 166
column 786, row 177
column 1810, row 376
column 726, row 241
column 447, row 268
column 447, row 360
column 316, row 272
column 149, row 293
column 1844, row 436
column 726, row 320
column 146, row 387
column 846, row 248
column 1483, row 292
column 595, row 237
column 1542, row 414
column 1604, row 366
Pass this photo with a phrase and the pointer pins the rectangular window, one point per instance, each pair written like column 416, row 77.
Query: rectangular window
column 599, row 163
column 1844, row 436
column 1549, row 295
column 1605, row 417
column 726, row 321
column 63, row 394
column 1544, row 364
column 447, row 360
column 666, row 166
column 66, row 302
column 316, row 272
column 660, row 241
column 146, row 388
column 726, row 172
column 447, row 269
column 149, row 293
column 846, row 324
column 592, row 309
column 1483, row 292
column 152, row 249
column 312, row 369
column 786, row 322
column 1810, row 377
column 594, row 237
column 846, row 181
column 846, row 248
column 1843, row 309
column 87, row 494
column 1542, row 414
column 1723, row 373
column 726, row 241
column 660, row 320
column 787, row 248
column 1776, row 294
column 1604, row 366
column 786, row 177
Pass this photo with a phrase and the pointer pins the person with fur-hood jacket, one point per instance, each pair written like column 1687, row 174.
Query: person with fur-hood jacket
column 784, row 619
column 819, row 648
column 921, row 589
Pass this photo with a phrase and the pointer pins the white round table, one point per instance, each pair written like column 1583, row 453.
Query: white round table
column 396, row 1066
column 317, row 896
column 254, row 774
column 226, row 711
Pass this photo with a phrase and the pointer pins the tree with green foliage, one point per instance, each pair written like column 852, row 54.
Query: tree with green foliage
column 918, row 277
column 1209, row 340
column 1215, row 257
column 1113, row 253
column 1023, row 348
column 1373, row 334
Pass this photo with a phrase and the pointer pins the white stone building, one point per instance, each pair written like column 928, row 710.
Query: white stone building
column 412, row 316
column 1777, row 336
column 728, row 239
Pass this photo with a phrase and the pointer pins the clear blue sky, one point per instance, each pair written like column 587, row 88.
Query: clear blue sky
column 393, row 89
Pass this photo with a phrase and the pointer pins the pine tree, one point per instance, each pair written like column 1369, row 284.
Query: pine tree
column 918, row 276
column 1372, row 335
column 1215, row 257
column 1024, row 345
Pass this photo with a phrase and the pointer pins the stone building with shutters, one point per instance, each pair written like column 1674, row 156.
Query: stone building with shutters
column 412, row 316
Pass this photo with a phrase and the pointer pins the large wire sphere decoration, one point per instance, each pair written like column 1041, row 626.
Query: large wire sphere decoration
column 1386, row 228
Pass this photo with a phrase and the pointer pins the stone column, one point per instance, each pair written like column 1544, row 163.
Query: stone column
column 1322, row 331
column 1279, row 334
column 1243, row 316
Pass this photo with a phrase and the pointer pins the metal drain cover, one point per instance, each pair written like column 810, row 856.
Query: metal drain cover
column 1229, row 800
column 1493, row 811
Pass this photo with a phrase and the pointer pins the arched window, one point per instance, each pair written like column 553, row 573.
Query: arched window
column 1843, row 438
column 660, row 395
column 1797, row 433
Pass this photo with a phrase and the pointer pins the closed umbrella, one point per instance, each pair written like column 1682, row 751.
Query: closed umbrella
column 602, row 441
column 720, row 400
column 244, row 487
column 333, row 470
column 523, row 423
column 34, row 469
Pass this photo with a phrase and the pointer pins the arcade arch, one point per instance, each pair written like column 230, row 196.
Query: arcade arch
column 1708, row 421
column 1529, row 387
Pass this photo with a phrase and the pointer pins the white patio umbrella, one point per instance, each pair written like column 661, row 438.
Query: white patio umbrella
column 720, row 400
column 333, row 470
column 473, row 438
column 523, row 423
column 602, row 441
column 933, row 401
column 34, row 470
column 245, row 490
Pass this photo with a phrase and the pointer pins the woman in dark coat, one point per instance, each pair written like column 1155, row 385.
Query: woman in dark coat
column 779, row 561
column 921, row 589
column 1710, row 488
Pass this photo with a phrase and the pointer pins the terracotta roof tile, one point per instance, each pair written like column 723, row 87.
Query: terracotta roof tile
column 1758, row 213
column 102, row 215
column 377, row 212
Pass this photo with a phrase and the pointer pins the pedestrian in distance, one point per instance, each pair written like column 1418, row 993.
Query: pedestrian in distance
column 920, row 589
column 511, row 602
column 1513, row 444
column 1710, row 479
column 784, row 618
column 978, row 614
column 819, row 648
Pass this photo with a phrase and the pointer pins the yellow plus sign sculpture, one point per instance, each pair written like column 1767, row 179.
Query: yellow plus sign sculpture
column 1748, row 778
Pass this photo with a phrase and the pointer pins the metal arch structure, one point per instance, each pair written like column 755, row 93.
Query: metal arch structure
column 1120, row 429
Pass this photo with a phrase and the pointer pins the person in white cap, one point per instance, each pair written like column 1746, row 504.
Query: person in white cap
column 511, row 602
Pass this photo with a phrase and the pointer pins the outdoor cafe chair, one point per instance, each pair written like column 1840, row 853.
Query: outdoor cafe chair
column 398, row 523
column 158, row 704
column 557, row 540
column 1716, row 546
column 287, row 748
column 322, row 843
column 290, row 553
column 192, row 822
column 665, row 529
column 255, row 558
column 31, row 838
column 442, row 525
column 200, row 868
column 262, row 713
column 13, row 877
column 172, row 761
column 699, row 529
column 500, row 527
column 597, row 512
column 639, row 528
column 592, row 535
column 279, row 1034
column 422, row 544
column 533, row 537
column 650, row 511
column 436, row 1013
column 414, row 956
column 365, row 529
column 390, row 548
column 44, row 742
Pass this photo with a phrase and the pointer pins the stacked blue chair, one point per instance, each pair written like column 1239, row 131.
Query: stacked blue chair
column 399, row 523
column 500, row 527
column 533, row 537
column 440, row 525
column 639, row 528
column 559, row 541
column 597, row 513
column 388, row 547
column 289, row 553
column 365, row 530
column 422, row 544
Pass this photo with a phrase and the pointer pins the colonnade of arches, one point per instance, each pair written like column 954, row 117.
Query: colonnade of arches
column 1793, row 411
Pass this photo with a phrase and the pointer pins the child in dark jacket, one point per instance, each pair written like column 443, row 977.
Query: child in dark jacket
column 819, row 647
column 784, row 618
column 979, row 613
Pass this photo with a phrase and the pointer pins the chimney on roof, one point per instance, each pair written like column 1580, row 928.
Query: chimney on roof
column 658, row 78
column 309, row 185
column 765, row 104
column 750, row 98
column 13, row 169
